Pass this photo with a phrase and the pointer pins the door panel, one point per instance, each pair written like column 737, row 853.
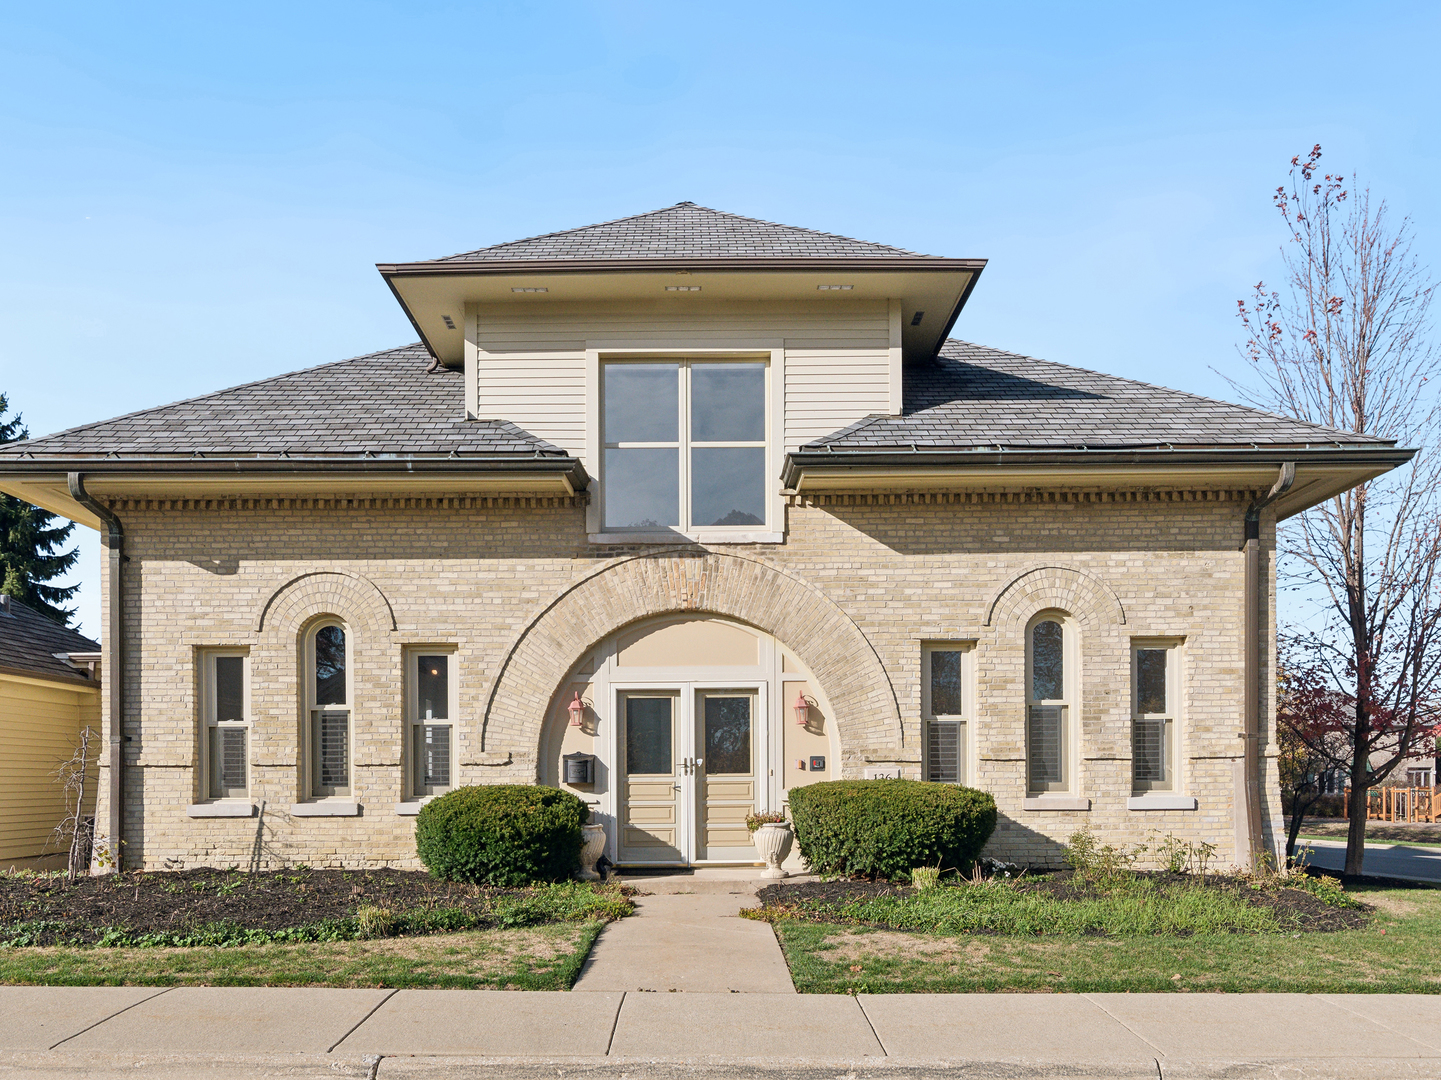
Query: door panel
column 726, row 733
column 651, row 818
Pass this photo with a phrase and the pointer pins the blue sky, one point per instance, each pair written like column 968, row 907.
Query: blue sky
column 196, row 195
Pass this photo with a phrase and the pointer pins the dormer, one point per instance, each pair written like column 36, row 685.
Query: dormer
column 681, row 354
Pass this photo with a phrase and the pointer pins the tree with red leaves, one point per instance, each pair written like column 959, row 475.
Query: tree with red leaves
column 1312, row 721
column 1348, row 346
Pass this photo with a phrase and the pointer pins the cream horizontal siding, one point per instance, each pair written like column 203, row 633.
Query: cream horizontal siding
column 530, row 358
column 39, row 728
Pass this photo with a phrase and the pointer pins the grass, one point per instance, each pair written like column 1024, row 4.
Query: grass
column 1398, row 952
column 535, row 958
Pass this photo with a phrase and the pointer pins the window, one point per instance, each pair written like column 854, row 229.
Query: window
column 684, row 445
column 1155, row 695
column 225, row 735
column 1050, row 687
column 1418, row 777
column 943, row 711
column 328, row 690
column 431, row 708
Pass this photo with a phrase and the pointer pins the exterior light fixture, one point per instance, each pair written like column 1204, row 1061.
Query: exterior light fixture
column 577, row 710
column 528, row 288
column 682, row 288
column 803, row 709
column 835, row 288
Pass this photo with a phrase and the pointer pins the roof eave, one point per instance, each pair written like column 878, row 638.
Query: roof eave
column 1325, row 471
column 491, row 267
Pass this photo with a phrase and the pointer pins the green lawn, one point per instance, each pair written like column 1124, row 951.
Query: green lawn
column 535, row 958
column 1398, row 952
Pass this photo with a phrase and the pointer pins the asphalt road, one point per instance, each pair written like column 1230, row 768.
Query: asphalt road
column 1416, row 863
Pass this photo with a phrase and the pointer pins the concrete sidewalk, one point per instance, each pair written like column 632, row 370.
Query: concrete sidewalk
column 103, row 1032
column 1406, row 861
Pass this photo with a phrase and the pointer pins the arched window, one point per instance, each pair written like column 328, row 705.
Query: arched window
column 1050, row 683
column 328, row 694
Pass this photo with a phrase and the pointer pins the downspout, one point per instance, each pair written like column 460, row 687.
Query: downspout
column 1251, row 717
column 113, row 670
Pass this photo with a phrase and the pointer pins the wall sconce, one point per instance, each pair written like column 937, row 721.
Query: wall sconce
column 577, row 710
column 803, row 709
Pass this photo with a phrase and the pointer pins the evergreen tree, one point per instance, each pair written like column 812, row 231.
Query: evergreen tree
column 29, row 543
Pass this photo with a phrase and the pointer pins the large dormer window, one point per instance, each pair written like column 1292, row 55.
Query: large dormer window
column 684, row 445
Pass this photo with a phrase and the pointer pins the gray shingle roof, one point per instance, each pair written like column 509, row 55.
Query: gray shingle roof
column 973, row 397
column 383, row 403
column 30, row 640
column 684, row 230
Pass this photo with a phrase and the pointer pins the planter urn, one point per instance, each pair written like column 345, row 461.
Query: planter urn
column 592, row 842
column 773, row 842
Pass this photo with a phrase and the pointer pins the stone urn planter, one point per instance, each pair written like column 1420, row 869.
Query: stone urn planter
column 773, row 840
column 592, row 843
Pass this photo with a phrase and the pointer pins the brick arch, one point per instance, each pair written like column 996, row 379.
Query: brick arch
column 356, row 599
column 826, row 639
column 1088, row 599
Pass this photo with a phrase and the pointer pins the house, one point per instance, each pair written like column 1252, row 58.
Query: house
column 49, row 693
column 682, row 511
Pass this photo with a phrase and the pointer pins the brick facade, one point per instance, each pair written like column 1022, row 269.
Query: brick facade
column 860, row 582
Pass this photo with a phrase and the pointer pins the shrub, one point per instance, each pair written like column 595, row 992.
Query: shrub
column 501, row 834
column 883, row 828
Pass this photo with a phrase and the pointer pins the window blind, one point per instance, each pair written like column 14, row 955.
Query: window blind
column 1045, row 733
column 944, row 748
column 232, row 758
column 1148, row 751
column 432, row 755
column 332, row 750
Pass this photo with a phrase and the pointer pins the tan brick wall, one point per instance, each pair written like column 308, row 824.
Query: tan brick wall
column 860, row 583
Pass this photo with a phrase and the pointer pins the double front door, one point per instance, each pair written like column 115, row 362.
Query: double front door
column 688, row 774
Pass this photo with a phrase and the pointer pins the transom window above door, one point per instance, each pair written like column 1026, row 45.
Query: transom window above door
column 684, row 444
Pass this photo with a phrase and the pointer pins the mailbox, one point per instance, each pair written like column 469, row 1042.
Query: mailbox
column 579, row 768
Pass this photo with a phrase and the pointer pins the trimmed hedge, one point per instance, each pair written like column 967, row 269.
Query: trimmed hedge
column 886, row 828
column 501, row 834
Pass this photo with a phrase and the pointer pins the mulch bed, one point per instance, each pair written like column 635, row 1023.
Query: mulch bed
column 186, row 899
column 1312, row 914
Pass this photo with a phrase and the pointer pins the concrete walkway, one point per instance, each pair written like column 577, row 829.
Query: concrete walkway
column 104, row 1032
column 687, row 935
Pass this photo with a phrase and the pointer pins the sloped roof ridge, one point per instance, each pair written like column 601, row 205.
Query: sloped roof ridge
column 461, row 256
column 1350, row 436
column 12, row 447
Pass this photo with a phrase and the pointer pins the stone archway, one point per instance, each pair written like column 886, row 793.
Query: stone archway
column 1091, row 601
column 326, row 592
column 638, row 587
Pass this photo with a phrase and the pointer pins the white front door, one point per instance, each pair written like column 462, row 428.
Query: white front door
column 688, row 761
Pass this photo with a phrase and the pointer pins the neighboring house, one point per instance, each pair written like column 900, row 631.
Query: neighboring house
column 49, row 692
column 685, row 510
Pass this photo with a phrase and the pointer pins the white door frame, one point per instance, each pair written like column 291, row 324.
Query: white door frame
column 689, row 799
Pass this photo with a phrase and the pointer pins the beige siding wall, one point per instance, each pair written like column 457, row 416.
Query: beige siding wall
column 40, row 724
column 530, row 359
column 477, row 573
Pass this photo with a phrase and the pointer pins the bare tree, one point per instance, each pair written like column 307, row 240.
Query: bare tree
column 75, row 829
column 1347, row 345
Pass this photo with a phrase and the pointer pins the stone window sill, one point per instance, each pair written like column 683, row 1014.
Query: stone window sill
column 699, row 536
column 1056, row 802
column 411, row 807
column 220, row 809
column 1161, row 802
column 325, row 808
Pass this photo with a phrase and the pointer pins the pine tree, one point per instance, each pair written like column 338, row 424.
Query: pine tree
column 29, row 543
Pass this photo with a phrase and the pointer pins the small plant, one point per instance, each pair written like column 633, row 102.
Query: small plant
column 1179, row 856
column 1103, row 864
column 375, row 922
column 926, row 877
column 769, row 817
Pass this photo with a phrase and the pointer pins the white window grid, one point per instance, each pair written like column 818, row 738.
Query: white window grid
column 683, row 445
column 947, row 733
column 225, row 746
column 431, row 744
column 331, row 738
column 1049, row 738
column 1153, row 734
